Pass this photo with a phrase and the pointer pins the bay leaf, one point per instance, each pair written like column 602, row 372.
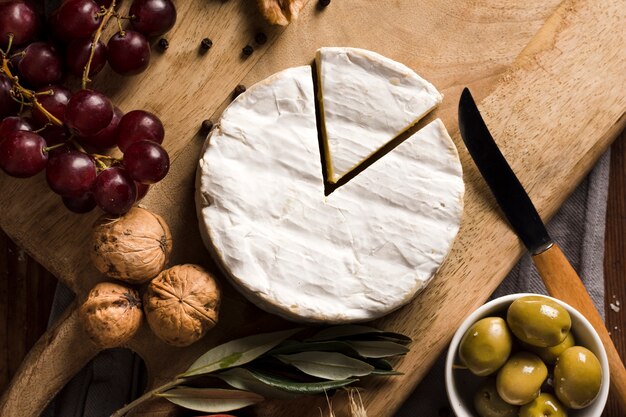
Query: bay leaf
column 380, row 364
column 383, row 367
column 327, row 365
column 351, row 330
column 211, row 400
column 326, row 346
column 237, row 352
column 378, row 348
column 304, row 388
column 243, row 379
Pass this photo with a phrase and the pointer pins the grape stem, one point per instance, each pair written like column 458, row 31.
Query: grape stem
column 112, row 158
column 148, row 396
column 97, row 158
column 53, row 147
column 25, row 93
column 108, row 13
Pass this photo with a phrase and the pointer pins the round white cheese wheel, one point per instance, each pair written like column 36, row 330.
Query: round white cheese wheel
column 355, row 255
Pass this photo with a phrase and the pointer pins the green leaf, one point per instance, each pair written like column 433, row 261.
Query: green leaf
column 304, row 388
column 351, row 330
column 211, row 400
column 380, row 364
column 381, row 372
column 237, row 352
column 383, row 367
column 327, row 365
column 328, row 346
column 242, row 378
column 378, row 348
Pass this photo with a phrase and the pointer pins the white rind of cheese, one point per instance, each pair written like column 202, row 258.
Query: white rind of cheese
column 355, row 255
column 367, row 100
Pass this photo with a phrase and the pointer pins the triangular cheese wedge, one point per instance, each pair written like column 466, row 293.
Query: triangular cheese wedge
column 366, row 100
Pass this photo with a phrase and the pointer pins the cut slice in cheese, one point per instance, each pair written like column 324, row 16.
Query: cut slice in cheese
column 355, row 255
column 366, row 100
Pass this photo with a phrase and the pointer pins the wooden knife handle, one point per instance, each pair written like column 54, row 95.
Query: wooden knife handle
column 61, row 352
column 563, row 282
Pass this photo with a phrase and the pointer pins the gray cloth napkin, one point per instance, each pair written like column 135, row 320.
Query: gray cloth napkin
column 114, row 377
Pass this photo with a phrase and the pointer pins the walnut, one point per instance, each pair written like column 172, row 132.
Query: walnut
column 111, row 314
column 280, row 12
column 182, row 304
column 132, row 248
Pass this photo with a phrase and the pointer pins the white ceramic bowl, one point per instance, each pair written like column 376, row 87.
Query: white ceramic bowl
column 461, row 385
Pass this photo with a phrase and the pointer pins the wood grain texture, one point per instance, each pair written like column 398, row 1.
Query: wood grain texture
column 26, row 291
column 615, row 258
column 563, row 282
column 552, row 112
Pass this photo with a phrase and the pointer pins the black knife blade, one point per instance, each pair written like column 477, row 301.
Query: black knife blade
column 504, row 184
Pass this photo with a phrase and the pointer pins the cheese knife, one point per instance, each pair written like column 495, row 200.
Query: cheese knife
column 559, row 277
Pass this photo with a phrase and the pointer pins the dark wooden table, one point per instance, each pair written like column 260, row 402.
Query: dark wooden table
column 27, row 289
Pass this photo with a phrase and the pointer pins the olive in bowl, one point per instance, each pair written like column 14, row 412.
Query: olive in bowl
column 533, row 395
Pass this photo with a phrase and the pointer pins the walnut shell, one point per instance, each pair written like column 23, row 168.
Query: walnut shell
column 111, row 314
column 280, row 12
column 182, row 304
column 132, row 248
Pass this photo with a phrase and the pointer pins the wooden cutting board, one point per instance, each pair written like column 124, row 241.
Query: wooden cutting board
column 550, row 76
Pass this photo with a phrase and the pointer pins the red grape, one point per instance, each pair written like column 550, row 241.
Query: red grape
column 88, row 112
column 54, row 135
column 41, row 64
column 18, row 18
column 115, row 191
column 22, row 154
column 152, row 17
column 142, row 190
column 139, row 125
column 71, row 174
column 128, row 52
column 75, row 19
column 82, row 204
column 77, row 55
column 14, row 124
column 107, row 137
column 146, row 161
column 54, row 103
column 7, row 104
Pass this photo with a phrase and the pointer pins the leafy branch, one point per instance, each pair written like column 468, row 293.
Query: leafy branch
column 272, row 365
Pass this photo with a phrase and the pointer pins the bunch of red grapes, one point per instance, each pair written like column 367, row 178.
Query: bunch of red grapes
column 44, row 126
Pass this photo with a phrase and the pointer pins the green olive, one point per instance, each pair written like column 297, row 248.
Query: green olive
column 549, row 354
column 486, row 346
column 519, row 380
column 488, row 403
column 577, row 377
column 538, row 321
column 545, row 405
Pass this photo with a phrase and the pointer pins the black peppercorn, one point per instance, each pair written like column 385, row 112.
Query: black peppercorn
column 238, row 90
column 206, row 44
column 207, row 125
column 260, row 38
column 324, row 3
column 163, row 44
column 247, row 50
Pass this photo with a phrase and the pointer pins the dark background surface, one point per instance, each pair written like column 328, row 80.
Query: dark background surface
column 27, row 289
